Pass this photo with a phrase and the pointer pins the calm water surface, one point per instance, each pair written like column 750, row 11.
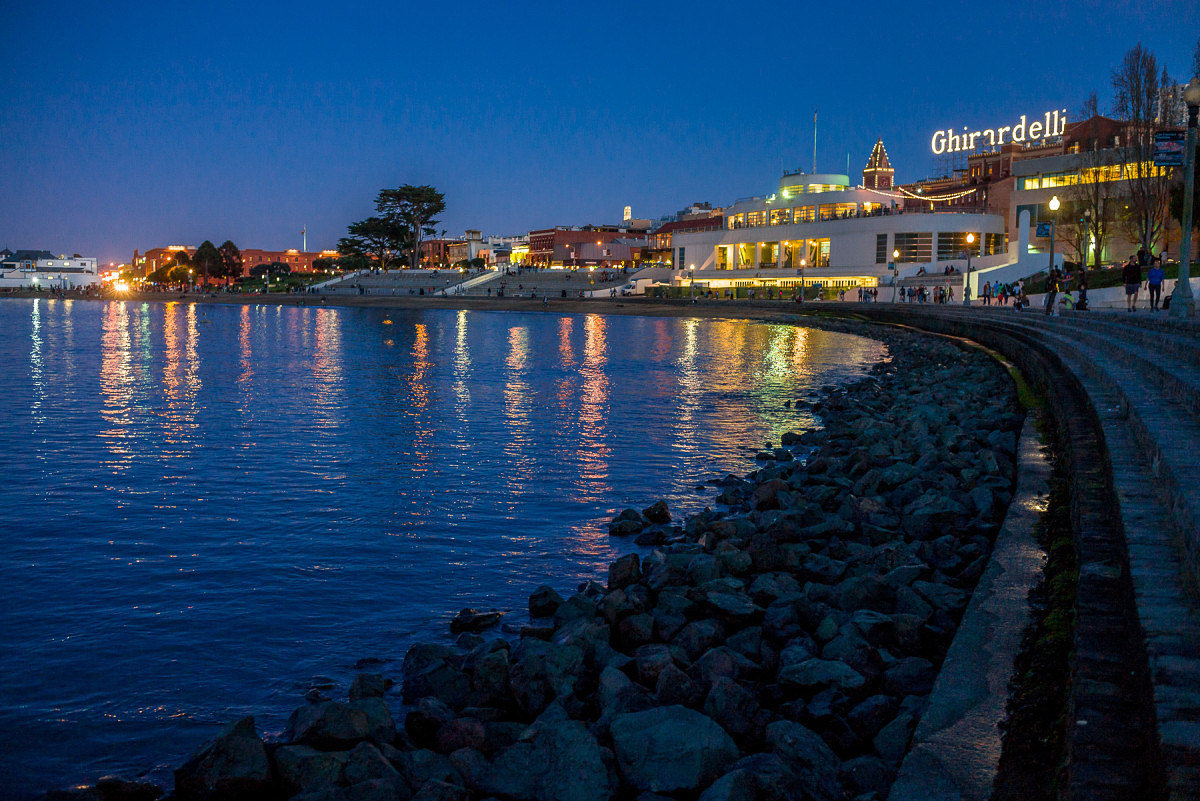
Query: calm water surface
column 205, row 510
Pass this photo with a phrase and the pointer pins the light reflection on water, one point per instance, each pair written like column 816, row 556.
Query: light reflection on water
column 206, row 506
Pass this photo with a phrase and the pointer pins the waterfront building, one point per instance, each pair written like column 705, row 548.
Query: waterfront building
column 590, row 245
column 145, row 263
column 300, row 261
column 818, row 230
column 41, row 269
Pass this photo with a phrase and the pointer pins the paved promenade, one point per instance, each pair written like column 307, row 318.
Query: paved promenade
column 1126, row 388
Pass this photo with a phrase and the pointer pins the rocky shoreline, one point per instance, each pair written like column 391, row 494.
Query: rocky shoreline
column 781, row 645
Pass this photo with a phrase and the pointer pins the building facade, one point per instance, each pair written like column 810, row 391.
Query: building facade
column 299, row 261
column 41, row 269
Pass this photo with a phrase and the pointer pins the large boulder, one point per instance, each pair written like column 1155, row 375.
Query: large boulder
column 808, row 756
column 557, row 759
column 670, row 749
column 435, row 670
column 542, row 671
column 305, row 769
column 331, row 725
column 233, row 766
column 544, row 601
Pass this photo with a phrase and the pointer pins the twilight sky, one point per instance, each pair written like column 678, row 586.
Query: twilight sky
column 138, row 125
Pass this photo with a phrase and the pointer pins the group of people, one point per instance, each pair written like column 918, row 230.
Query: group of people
column 1132, row 277
column 1000, row 292
column 923, row 294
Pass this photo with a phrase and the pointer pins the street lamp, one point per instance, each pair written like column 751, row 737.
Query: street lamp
column 1183, row 302
column 895, row 273
column 802, row 280
column 967, row 279
column 1054, row 204
column 692, row 282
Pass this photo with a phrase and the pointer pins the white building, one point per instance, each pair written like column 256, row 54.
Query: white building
column 41, row 269
column 818, row 230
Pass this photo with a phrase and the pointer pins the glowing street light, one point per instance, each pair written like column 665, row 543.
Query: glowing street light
column 967, row 279
column 895, row 273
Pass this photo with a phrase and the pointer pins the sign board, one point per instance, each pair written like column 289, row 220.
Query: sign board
column 1169, row 147
column 950, row 140
column 1044, row 229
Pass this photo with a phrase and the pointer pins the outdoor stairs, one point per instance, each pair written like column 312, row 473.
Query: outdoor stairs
column 1141, row 372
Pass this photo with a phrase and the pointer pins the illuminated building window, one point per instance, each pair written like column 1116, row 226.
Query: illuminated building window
column 755, row 219
column 915, row 247
column 953, row 245
column 881, row 251
column 818, row 253
column 781, row 216
column 737, row 221
column 993, row 244
column 827, row 211
column 805, row 214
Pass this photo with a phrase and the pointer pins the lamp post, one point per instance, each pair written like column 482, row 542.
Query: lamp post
column 692, row 282
column 895, row 273
column 967, row 278
column 1183, row 302
column 802, row 280
column 1054, row 204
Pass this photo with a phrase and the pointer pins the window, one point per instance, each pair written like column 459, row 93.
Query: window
column 805, row 214
column 781, row 216
column 953, row 245
column 881, row 251
column 843, row 210
column 915, row 247
column 737, row 221
column 756, row 218
column 993, row 244
column 826, row 211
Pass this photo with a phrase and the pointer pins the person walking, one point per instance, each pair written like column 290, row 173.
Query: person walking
column 1051, row 290
column 1154, row 282
column 1131, row 276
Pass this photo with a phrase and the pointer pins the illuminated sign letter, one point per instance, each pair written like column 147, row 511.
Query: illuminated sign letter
column 939, row 142
column 1019, row 137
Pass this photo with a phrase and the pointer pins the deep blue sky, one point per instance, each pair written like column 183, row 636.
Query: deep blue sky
column 145, row 124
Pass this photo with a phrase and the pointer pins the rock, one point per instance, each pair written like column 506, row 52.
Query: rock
column 422, row 765
column 698, row 636
column 576, row 607
column 474, row 620
column 369, row 685
column 867, row 774
column 892, row 741
column 117, row 788
column 674, row 687
column 434, row 790
column 909, row 676
column 929, row 514
column 657, row 513
column 636, row 630
column 808, row 756
column 305, row 769
column 733, row 708
column 435, row 671
column 544, row 602
column 941, row 596
column 332, row 726
column 370, row 790
column 365, row 764
column 542, row 671
column 814, row 674
column 424, row 720
column 617, row 693
column 624, row 571
column 670, row 749
column 233, row 766
column 871, row 715
column 460, row 733
column 556, row 760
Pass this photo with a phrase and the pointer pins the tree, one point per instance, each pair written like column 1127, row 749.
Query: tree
column 379, row 238
column 231, row 260
column 1137, row 89
column 207, row 260
column 414, row 207
column 1089, row 199
column 1196, row 60
column 322, row 265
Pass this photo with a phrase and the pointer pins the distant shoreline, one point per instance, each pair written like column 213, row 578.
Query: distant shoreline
column 739, row 309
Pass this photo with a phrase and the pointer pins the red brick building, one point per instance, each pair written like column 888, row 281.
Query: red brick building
column 299, row 261
column 543, row 244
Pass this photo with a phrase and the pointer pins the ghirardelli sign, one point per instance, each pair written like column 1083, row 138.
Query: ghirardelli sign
column 1054, row 123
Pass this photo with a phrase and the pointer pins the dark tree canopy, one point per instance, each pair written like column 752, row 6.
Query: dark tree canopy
column 378, row 237
column 414, row 207
column 207, row 260
column 231, row 260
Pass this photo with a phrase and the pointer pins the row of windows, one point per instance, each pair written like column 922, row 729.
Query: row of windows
column 917, row 247
column 803, row 214
column 1094, row 175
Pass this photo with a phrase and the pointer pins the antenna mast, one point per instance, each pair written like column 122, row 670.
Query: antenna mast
column 814, row 139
